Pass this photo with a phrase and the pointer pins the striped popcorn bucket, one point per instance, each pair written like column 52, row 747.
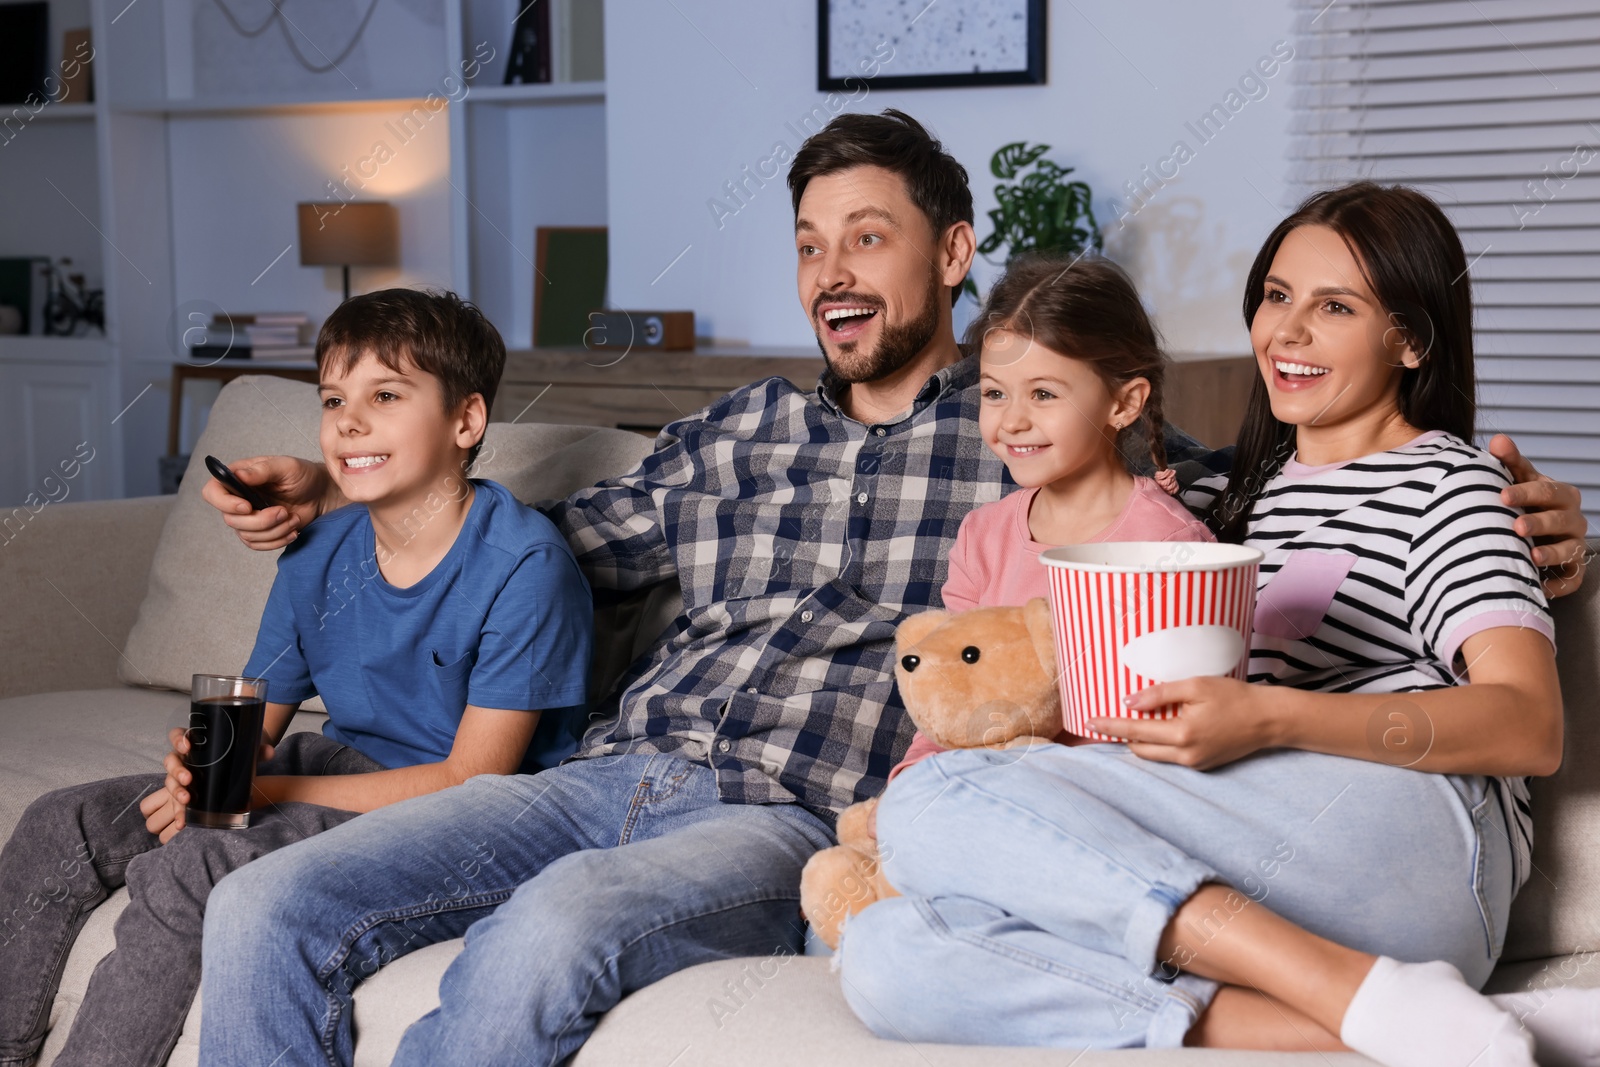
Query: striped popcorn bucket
column 1130, row 614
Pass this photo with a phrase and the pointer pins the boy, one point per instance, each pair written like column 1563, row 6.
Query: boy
column 435, row 622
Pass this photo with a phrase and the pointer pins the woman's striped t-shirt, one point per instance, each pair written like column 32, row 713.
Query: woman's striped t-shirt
column 1378, row 569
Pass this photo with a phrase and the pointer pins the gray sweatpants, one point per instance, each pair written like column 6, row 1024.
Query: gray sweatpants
column 72, row 849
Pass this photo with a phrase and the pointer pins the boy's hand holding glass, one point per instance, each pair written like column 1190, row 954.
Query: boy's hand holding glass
column 163, row 813
column 166, row 809
column 1219, row 720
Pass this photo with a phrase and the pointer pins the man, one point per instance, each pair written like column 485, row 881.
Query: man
column 802, row 527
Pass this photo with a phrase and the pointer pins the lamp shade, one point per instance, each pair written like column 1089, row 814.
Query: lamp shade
column 349, row 234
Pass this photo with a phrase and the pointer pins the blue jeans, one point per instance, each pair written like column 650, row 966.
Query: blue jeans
column 1038, row 884
column 573, row 887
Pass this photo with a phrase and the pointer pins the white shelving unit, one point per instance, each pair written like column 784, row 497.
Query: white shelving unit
column 65, row 112
column 554, row 93
column 248, row 105
column 190, row 159
column 55, row 392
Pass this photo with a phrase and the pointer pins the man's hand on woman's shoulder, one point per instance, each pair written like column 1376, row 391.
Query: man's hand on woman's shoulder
column 1552, row 518
column 301, row 489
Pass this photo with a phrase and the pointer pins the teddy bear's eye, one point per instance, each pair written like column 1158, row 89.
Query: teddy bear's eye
column 970, row 654
column 910, row 662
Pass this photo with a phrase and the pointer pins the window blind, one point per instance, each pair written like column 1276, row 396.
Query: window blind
column 1492, row 107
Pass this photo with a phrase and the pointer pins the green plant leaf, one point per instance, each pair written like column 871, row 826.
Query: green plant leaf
column 1062, row 208
column 1013, row 157
column 1039, row 181
column 995, row 239
column 1041, row 211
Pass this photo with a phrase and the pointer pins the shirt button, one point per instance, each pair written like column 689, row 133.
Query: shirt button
column 880, row 431
column 724, row 745
column 806, row 616
column 751, row 690
column 861, row 498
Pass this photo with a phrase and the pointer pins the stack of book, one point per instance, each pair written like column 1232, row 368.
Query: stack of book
column 274, row 335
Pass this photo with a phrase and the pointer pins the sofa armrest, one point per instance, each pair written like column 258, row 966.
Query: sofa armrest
column 71, row 580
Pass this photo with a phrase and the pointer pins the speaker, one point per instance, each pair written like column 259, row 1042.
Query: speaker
column 665, row 330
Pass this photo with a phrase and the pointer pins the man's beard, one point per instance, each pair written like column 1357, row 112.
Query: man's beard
column 898, row 343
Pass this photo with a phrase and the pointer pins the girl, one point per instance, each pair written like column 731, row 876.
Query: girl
column 1381, row 826
column 1072, row 385
column 1072, row 390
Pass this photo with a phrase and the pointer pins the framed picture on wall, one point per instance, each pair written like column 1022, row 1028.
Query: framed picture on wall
column 896, row 44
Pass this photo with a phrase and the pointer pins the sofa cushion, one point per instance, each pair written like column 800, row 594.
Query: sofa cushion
column 397, row 996
column 789, row 1010
column 1558, row 911
column 207, row 592
column 781, row 1010
column 50, row 740
column 72, row 582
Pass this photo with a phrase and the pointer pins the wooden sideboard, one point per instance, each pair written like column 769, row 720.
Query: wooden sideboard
column 638, row 390
column 224, row 371
column 1207, row 395
column 644, row 391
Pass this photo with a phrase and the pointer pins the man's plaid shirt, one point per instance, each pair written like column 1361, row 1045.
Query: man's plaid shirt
column 801, row 538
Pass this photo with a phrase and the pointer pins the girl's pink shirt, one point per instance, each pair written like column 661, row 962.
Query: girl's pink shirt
column 995, row 561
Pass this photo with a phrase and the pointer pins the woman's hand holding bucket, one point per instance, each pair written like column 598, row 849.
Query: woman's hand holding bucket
column 1219, row 720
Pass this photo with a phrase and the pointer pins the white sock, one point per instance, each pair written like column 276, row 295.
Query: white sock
column 1425, row 1015
column 1565, row 1023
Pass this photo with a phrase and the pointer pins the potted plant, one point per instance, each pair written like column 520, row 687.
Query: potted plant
column 1040, row 212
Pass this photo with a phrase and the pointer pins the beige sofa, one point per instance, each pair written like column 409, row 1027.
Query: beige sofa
column 108, row 607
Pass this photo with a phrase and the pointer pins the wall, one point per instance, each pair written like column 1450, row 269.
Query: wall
column 698, row 89
column 236, row 176
column 236, row 180
column 530, row 167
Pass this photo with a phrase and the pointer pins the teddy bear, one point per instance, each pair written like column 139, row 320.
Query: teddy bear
column 984, row 678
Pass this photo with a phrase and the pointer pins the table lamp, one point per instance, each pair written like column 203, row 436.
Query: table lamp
column 357, row 233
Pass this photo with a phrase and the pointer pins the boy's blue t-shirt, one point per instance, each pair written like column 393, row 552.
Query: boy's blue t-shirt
column 505, row 620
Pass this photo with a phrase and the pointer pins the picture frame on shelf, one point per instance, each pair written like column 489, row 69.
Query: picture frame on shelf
column 899, row 46
column 77, row 71
column 569, row 282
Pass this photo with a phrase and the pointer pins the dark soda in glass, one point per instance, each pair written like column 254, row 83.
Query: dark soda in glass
column 224, row 741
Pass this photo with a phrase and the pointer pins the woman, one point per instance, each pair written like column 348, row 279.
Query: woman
column 1250, row 873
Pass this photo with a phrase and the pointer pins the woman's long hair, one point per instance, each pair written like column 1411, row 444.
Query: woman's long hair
column 1412, row 259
